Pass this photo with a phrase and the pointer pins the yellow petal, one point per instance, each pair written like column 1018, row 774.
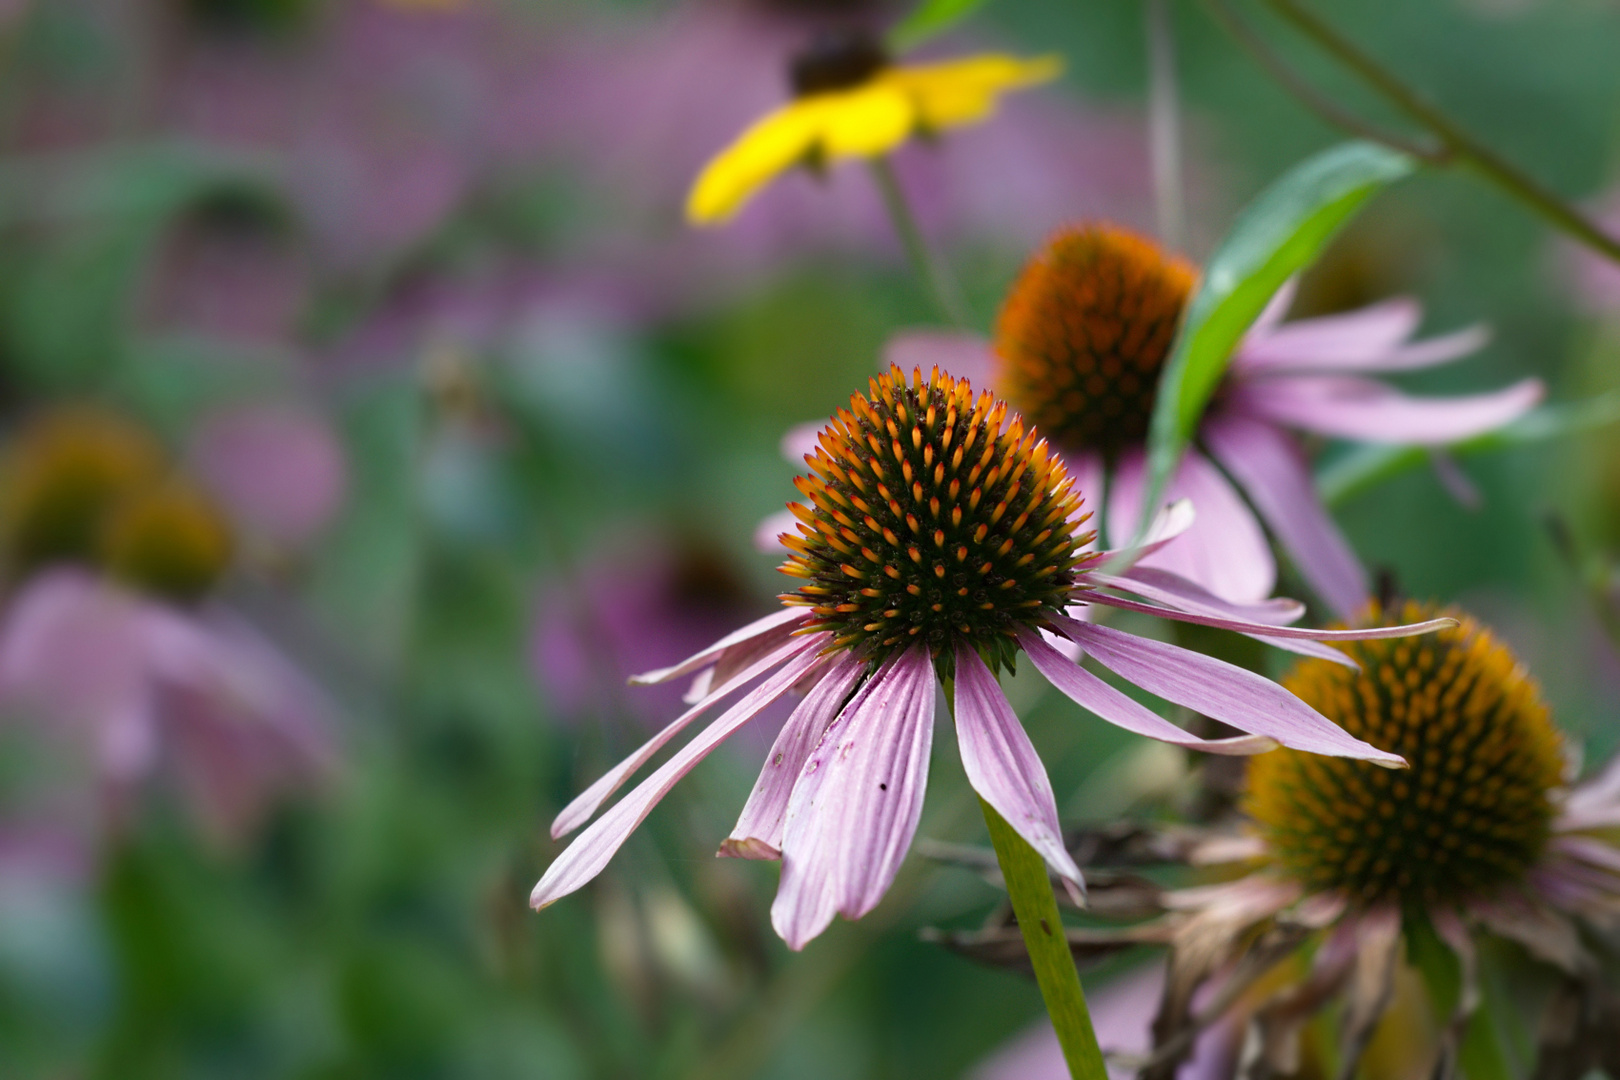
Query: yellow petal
column 958, row 92
column 774, row 143
column 864, row 122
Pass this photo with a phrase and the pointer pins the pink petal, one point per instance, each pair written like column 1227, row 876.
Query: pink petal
column 1220, row 690
column 1171, row 590
column 589, row 801
column 591, row 850
column 1370, row 633
column 856, row 804
column 1355, row 408
column 1223, row 550
column 775, row 625
column 1112, row 705
column 758, row 834
column 1273, row 471
column 1333, row 340
column 966, row 356
column 1276, row 308
column 1002, row 765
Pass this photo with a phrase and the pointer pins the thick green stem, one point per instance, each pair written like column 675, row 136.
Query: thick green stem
column 1030, row 888
column 1164, row 124
column 935, row 278
column 1460, row 145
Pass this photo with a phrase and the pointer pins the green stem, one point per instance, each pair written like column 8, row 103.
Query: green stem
column 1030, row 888
column 935, row 278
column 1459, row 143
column 1164, row 124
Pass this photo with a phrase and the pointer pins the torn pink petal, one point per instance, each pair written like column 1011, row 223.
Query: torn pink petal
column 776, row 624
column 855, row 807
column 589, row 801
column 1221, row 691
column 1270, row 466
column 966, row 356
column 758, row 834
column 1110, row 704
column 1348, row 407
column 1223, row 550
column 583, row 859
column 1001, row 763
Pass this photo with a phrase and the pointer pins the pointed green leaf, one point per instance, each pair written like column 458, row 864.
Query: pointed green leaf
column 927, row 19
column 1279, row 235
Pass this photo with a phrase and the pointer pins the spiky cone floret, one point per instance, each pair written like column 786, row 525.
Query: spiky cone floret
column 940, row 538
column 1481, row 838
column 931, row 518
column 1078, row 347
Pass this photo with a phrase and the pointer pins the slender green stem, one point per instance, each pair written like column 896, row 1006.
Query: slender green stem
column 1164, row 124
column 1463, row 146
column 935, row 278
column 1030, row 888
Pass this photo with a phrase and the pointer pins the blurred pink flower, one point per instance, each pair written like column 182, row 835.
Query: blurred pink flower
column 280, row 471
column 676, row 90
column 623, row 613
column 1309, row 376
column 142, row 688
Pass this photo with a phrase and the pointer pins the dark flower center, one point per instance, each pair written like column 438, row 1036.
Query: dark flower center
column 836, row 60
column 1085, row 332
column 933, row 518
column 1473, row 811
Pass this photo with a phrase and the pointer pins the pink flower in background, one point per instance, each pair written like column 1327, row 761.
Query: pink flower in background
column 885, row 599
column 143, row 688
column 280, row 471
column 1081, row 354
column 623, row 612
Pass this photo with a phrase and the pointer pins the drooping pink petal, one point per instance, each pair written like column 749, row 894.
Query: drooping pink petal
column 1223, row 550
column 589, row 801
column 856, row 805
column 1221, row 691
column 1270, row 466
column 1001, row 763
column 1349, row 407
column 758, row 834
column 1112, row 705
column 966, row 356
column 589, row 853
column 778, row 624
column 1298, row 633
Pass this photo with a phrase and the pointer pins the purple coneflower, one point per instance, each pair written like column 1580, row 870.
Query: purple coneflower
column 112, row 642
column 941, row 538
column 1080, row 344
column 1340, row 864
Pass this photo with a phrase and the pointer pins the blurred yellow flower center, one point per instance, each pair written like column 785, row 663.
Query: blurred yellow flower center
column 169, row 540
column 1473, row 811
column 1085, row 332
column 932, row 517
column 63, row 473
column 84, row 485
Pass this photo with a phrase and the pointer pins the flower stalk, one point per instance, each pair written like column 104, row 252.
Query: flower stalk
column 1454, row 144
column 1030, row 888
column 927, row 266
column 1164, row 124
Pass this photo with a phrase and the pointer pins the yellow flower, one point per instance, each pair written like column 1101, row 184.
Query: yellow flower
column 865, row 118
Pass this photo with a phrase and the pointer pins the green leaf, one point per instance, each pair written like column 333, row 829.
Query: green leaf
column 927, row 19
column 1367, row 466
column 1279, row 235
